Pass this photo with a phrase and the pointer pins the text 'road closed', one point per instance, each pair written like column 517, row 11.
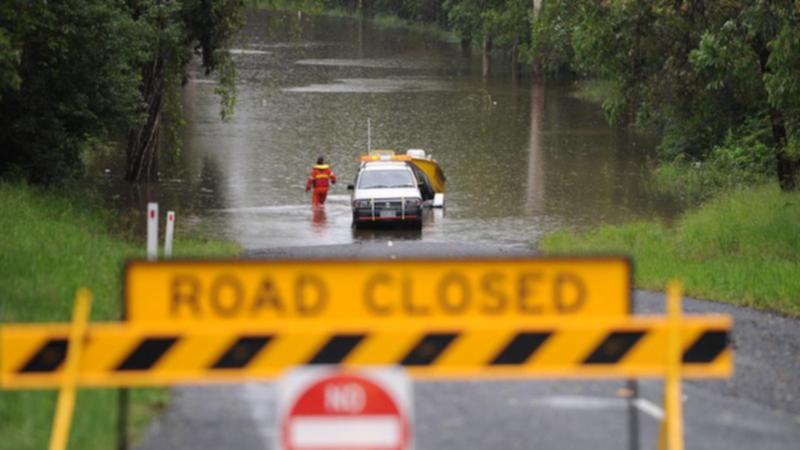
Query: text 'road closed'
column 263, row 290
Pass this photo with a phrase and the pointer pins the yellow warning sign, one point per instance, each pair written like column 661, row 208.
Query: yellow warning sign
column 225, row 291
column 126, row 354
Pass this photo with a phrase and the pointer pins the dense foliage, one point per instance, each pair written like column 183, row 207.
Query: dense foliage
column 424, row 11
column 79, row 75
column 719, row 78
column 504, row 22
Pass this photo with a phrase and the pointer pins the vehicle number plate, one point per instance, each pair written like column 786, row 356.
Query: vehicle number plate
column 388, row 214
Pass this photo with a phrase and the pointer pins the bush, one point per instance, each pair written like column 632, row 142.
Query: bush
column 743, row 159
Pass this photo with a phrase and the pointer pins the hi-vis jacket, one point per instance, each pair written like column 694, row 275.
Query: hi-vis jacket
column 321, row 177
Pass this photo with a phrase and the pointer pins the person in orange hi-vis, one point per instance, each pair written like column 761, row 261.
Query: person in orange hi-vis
column 321, row 178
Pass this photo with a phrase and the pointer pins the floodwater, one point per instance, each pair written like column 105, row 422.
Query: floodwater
column 521, row 157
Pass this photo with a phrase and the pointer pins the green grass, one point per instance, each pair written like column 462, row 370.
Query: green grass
column 52, row 244
column 742, row 247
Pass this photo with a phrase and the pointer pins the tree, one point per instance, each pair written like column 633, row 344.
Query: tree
column 78, row 75
column 502, row 22
column 551, row 36
column 754, row 55
column 67, row 82
column 464, row 17
column 9, row 61
column 175, row 27
column 509, row 23
column 699, row 71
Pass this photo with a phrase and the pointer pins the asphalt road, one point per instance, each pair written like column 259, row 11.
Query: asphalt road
column 758, row 408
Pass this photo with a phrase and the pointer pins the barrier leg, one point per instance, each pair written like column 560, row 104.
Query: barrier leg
column 59, row 435
column 671, row 435
column 122, row 419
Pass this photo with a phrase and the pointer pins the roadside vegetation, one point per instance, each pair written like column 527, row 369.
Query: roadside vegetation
column 742, row 247
column 83, row 77
column 53, row 244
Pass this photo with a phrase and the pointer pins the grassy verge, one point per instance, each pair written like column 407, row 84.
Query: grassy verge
column 52, row 245
column 742, row 247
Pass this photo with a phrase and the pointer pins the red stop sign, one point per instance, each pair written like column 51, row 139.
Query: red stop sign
column 345, row 411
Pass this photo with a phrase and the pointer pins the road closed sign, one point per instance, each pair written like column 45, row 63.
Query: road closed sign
column 328, row 409
column 227, row 291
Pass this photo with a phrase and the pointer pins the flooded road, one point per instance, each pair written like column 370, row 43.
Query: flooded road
column 521, row 158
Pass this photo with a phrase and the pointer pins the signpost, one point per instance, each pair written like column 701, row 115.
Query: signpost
column 184, row 292
column 324, row 408
column 168, row 234
column 152, row 231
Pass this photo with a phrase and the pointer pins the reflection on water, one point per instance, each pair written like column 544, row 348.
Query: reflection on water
column 384, row 63
column 247, row 51
column 388, row 234
column 521, row 157
column 376, row 86
column 319, row 222
column 535, row 201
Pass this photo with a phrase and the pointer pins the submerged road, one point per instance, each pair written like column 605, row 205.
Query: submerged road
column 758, row 408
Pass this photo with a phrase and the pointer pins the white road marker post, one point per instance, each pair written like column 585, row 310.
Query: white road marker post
column 152, row 231
column 168, row 235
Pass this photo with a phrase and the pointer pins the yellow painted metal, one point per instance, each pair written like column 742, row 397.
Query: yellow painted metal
column 429, row 290
column 384, row 156
column 476, row 343
column 671, row 433
column 426, row 164
column 433, row 171
column 66, row 397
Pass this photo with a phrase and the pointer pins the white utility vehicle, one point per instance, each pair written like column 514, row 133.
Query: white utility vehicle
column 387, row 191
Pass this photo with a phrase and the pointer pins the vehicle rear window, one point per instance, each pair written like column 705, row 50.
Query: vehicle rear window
column 377, row 179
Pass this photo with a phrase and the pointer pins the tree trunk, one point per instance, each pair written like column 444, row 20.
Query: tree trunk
column 466, row 47
column 787, row 167
column 514, row 60
column 487, row 57
column 143, row 140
